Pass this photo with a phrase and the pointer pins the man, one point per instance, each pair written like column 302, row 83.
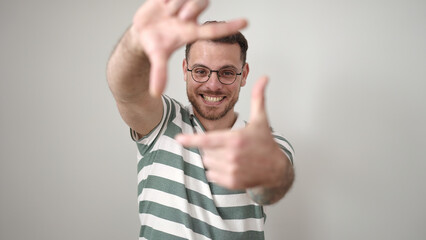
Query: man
column 203, row 172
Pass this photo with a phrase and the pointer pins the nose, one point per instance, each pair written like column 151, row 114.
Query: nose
column 213, row 82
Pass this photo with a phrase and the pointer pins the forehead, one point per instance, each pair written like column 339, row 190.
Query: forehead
column 215, row 54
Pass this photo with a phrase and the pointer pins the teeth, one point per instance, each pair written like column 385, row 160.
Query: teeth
column 212, row 99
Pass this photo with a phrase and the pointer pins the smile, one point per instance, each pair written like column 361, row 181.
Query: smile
column 212, row 99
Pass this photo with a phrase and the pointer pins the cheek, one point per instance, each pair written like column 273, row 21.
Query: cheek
column 235, row 89
column 189, row 87
column 236, row 93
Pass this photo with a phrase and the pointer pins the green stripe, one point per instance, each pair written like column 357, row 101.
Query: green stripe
column 147, row 160
column 178, row 189
column 150, row 233
column 250, row 211
column 219, row 190
column 186, row 120
column 185, row 114
column 194, row 224
column 199, row 123
column 287, row 152
column 172, row 110
column 283, row 139
column 176, row 161
column 172, row 130
column 143, row 148
column 172, row 160
column 200, row 200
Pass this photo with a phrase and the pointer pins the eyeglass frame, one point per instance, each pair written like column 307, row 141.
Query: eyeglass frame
column 212, row 71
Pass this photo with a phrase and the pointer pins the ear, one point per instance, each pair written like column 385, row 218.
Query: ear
column 246, row 70
column 184, row 67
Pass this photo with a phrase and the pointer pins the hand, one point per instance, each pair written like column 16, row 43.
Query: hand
column 162, row 26
column 244, row 158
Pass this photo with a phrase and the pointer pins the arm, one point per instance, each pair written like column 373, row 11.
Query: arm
column 128, row 78
column 137, row 69
column 283, row 181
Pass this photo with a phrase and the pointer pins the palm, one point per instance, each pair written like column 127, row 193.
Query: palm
column 242, row 158
column 164, row 37
column 161, row 27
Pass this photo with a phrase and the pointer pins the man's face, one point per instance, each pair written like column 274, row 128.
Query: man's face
column 213, row 100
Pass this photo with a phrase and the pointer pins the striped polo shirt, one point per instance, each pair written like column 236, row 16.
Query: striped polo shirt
column 176, row 201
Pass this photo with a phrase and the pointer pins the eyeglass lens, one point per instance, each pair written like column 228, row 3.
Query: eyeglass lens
column 226, row 75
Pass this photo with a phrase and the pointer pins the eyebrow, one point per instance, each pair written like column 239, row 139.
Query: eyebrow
column 225, row 66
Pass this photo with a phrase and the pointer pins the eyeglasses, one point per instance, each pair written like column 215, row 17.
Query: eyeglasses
column 226, row 75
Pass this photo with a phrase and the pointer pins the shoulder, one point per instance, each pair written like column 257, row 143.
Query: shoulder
column 175, row 120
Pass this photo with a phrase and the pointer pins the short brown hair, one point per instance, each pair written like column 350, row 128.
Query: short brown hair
column 231, row 39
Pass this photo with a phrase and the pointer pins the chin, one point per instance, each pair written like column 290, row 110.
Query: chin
column 213, row 114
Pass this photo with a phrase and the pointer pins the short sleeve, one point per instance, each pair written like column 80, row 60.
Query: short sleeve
column 151, row 137
column 285, row 146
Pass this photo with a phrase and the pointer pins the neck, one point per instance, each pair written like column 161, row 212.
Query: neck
column 226, row 122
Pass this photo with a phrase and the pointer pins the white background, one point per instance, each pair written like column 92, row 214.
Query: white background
column 347, row 89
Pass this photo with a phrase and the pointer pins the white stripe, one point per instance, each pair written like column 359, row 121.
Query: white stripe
column 285, row 144
column 170, row 227
column 176, row 148
column 173, row 201
column 177, row 175
column 147, row 140
column 233, row 200
column 186, row 128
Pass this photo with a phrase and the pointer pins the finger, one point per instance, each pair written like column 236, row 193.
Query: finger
column 221, row 29
column 158, row 74
column 224, row 180
column 210, row 140
column 213, row 176
column 173, row 6
column 192, row 9
column 212, row 163
column 217, row 158
column 258, row 98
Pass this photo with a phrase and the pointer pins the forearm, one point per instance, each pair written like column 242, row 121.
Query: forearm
column 266, row 195
column 128, row 69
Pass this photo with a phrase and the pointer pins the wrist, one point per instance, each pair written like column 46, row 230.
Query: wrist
column 131, row 42
column 278, row 168
column 277, row 185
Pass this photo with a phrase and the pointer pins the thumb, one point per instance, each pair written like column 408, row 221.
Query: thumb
column 158, row 74
column 258, row 99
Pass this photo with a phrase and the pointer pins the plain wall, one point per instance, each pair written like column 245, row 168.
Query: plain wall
column 348, row 81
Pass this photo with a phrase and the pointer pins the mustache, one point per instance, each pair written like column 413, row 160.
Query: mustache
column 209, row 92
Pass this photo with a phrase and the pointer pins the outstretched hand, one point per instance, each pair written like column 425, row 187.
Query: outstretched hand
column 243, row 158
column 162, row 26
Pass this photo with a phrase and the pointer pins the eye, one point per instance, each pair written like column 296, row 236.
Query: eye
column 201, row 71
column 228, row 72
